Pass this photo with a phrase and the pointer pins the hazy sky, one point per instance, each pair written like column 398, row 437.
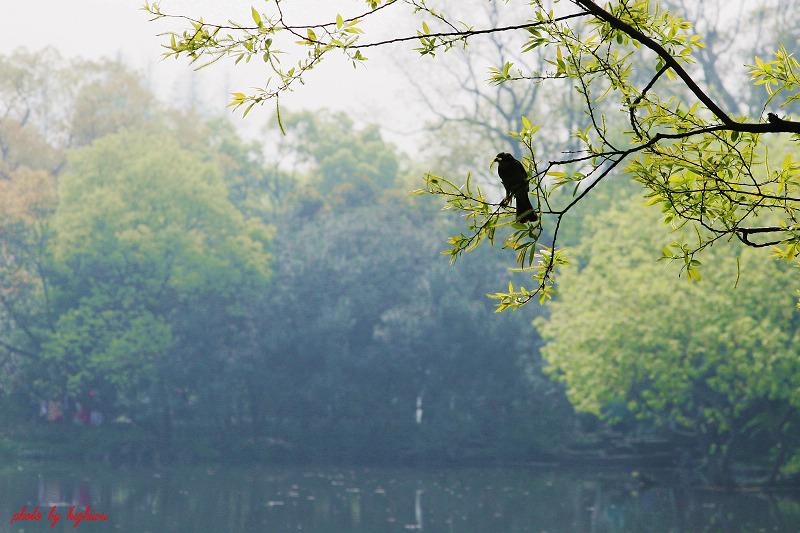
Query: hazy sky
column 119, row 28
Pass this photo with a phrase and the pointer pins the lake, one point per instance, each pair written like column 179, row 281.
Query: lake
column 376, row 500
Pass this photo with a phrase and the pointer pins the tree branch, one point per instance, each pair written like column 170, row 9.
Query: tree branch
column 626, row 28
column 744, row 234
column 465, row 33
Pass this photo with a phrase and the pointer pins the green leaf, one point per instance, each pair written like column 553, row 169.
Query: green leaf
column 653, row 200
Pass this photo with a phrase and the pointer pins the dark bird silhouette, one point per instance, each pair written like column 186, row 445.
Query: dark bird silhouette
column 515, row 180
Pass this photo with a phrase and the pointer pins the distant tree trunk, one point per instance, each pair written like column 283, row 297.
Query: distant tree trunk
column 722, row 467
column 165, row 433
column 775, row 469
column 780, row 456
column 256, row 412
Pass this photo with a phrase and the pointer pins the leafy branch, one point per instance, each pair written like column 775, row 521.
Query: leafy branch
column 699, row 164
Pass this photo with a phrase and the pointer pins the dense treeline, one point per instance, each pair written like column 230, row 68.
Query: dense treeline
column 713, row 363
column 168, row 287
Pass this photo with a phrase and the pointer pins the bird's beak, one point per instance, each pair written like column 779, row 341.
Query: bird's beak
column 495, row 160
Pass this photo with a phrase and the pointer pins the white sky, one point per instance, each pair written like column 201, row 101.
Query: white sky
column 119, row 28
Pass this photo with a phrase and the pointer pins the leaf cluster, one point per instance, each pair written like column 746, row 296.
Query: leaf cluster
column 704, row 169
column 266, row 39
column 705, row 359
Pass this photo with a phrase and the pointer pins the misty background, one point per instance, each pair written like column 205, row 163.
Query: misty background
column 184, row 288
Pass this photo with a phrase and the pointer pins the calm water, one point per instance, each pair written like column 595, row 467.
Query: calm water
column 376, row 500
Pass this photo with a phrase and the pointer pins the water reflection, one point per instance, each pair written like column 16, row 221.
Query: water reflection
column 379, row 500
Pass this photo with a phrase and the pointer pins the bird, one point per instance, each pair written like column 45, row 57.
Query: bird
column 515, row 181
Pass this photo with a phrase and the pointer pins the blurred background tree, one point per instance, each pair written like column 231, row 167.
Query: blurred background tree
column 234, row 299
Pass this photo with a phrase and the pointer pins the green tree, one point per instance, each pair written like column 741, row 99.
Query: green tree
column 695, row 160
column 140, row 287
column 143, row 233
column 28, row 168
column 352, row 164
column 255, row 187
column 107, row 97
column 357, row 330
column 68, row 102
column 708, row 359
column 47, row 104
column 27, row 198
column 354, row 331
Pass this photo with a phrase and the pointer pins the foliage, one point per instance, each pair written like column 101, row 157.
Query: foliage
column 138, row 278
column 709, row 358
column 391, row 323
column 256, row 188
column 697, row 162
column 68, row 103
column 143, row 230
column 342, row 157
column 135, row 199
column 117, row 352
column 28, row 164
column 107, row 97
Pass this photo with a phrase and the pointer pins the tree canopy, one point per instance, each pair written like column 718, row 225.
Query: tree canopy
column 709, row 359
column 645, row 114
column 220, row 298
column 143, row 231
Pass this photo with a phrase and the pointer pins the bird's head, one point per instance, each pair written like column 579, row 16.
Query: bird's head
column 502, row 156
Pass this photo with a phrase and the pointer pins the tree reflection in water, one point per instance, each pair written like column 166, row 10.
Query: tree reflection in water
column 375, row 500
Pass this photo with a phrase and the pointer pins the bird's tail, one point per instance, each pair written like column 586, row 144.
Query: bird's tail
column 525, row 211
